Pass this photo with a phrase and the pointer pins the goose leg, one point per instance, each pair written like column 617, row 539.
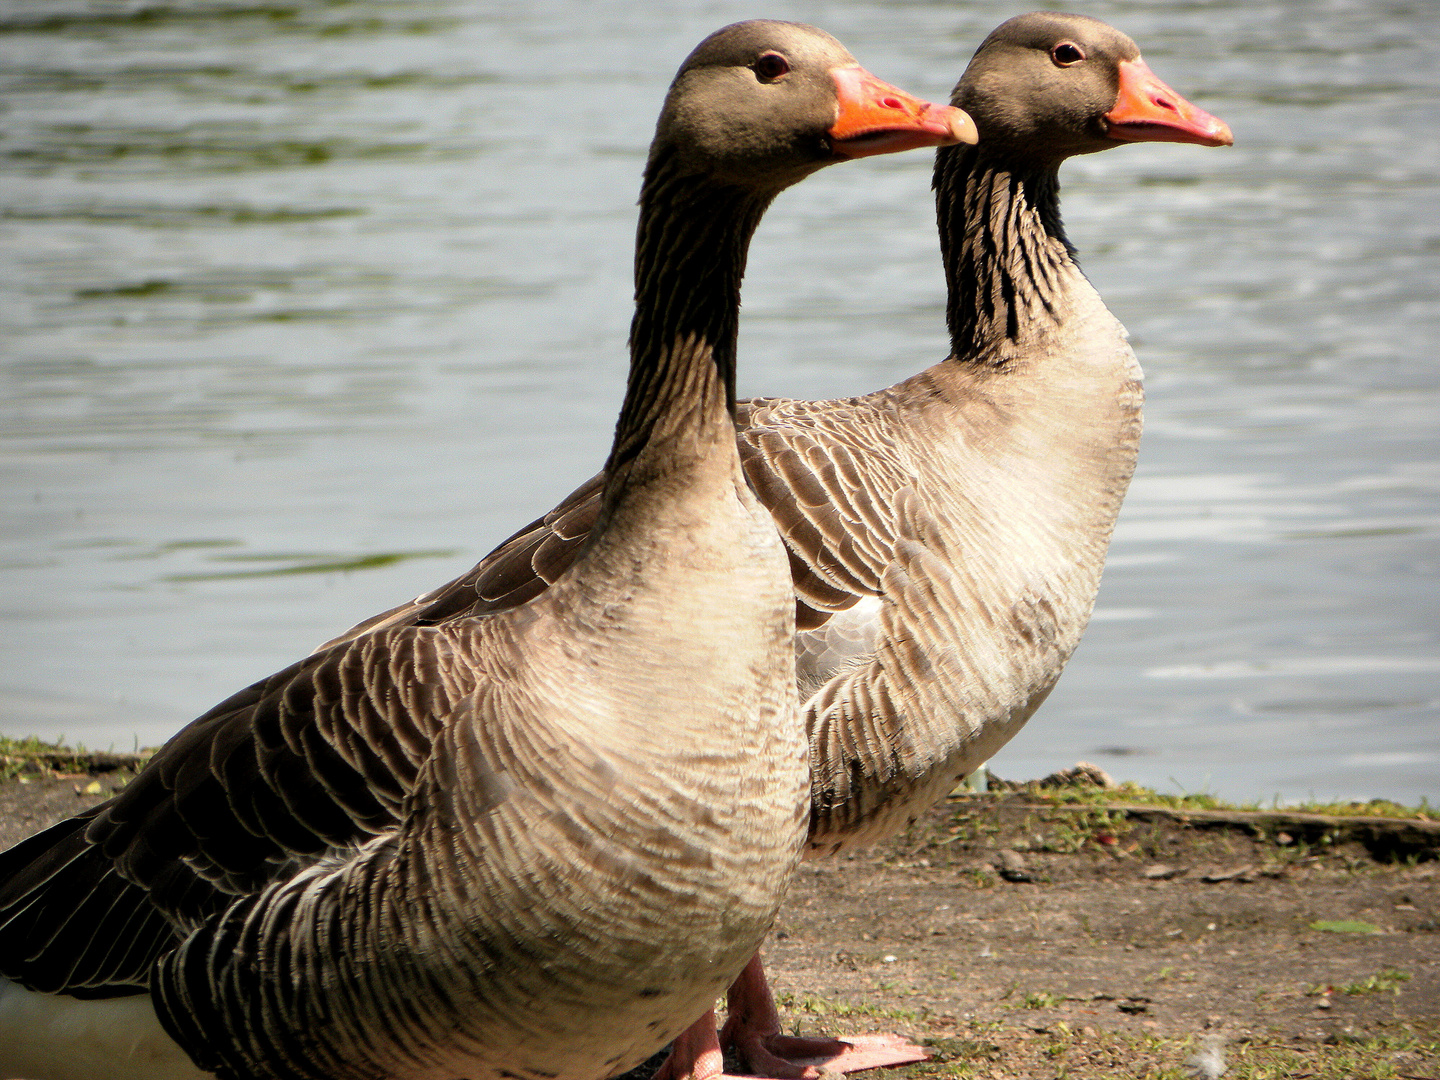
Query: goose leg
column 753, row 1028
column 695, row 1054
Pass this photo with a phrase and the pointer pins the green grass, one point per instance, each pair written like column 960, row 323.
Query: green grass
column 1132, row 794
column 1388, row 981
column 815, row 1005
column 1372, row 1057
column 988, row 1049
column 33, row 745
column 1346, row 926
column 1040, row 999
column 32, row 755
column 18, row 755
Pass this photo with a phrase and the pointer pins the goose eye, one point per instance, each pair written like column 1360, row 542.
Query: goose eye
column 1067, row 53
column 771, row 66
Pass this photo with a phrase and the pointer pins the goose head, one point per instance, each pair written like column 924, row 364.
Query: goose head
column 1049, row 86
column 764, row 104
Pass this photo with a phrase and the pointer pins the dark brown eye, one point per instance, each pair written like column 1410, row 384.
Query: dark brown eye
column 771, row 66
column 1067, row 53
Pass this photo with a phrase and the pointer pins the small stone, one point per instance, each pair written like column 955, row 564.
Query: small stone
column 1083, row 774
column 1324, row 1002
column 1284, row 839
column 1011, row 866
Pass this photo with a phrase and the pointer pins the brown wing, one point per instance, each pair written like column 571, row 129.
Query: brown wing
column 826, row 470
column 519, row 569
column 878, row 731
column 69, row 921
column 314, row 758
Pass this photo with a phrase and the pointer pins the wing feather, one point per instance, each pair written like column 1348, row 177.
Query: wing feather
column 99, row 940
column 826, row 470
column 317, row 757
column 872, row 750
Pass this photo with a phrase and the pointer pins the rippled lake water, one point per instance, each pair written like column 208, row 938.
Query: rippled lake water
column 307, row 304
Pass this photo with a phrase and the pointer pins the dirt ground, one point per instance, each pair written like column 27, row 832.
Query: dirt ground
column 1048, row 934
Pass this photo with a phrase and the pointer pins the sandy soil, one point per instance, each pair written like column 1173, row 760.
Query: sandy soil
column 1116, row 953
column 1021, row 938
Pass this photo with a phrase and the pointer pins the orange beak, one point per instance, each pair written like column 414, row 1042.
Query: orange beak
column 877, row 118
column 1146, row 110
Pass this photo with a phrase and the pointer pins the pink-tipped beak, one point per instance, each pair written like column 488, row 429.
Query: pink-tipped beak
column 1146, row 110
column 877, row 118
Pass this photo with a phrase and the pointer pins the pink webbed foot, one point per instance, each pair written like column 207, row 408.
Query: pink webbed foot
column 753, row 1029
column 789, row 1057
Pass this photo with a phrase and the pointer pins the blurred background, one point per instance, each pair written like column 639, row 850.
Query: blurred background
column 307, row 304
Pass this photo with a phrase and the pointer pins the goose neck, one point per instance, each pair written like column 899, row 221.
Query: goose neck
column 693, row 238
column 1008, row 265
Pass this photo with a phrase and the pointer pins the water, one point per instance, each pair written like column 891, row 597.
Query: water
column 307, row 304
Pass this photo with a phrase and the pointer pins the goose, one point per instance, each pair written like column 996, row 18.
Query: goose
column 946, row 534
column 533, row 845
